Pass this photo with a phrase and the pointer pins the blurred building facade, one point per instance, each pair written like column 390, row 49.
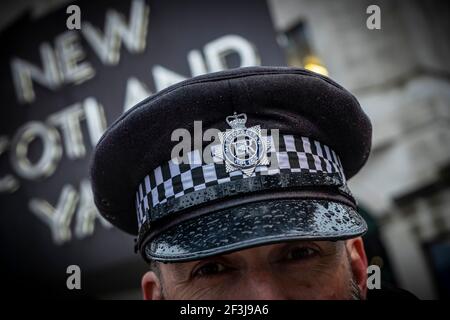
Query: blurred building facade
column 401, row 76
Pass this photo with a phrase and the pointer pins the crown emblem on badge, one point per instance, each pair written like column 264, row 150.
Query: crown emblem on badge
column 237, row 120
column 242, row 148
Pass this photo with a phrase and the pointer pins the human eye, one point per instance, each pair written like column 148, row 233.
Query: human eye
column 300, row 253
column 209, row 269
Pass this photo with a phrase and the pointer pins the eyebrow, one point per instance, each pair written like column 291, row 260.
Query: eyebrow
column 322, row 244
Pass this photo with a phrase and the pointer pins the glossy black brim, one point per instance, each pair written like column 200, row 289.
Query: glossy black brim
column 255, row 224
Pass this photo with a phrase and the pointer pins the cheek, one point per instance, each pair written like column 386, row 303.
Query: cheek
column 220, row 289
column 335, row 285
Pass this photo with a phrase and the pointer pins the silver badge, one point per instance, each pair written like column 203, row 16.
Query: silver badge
column 242, row 148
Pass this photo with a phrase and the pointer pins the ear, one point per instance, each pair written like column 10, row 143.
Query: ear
column 358, row 261
column 151, row 286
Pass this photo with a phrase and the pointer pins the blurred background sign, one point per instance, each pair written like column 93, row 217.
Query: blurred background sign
column 61, row 88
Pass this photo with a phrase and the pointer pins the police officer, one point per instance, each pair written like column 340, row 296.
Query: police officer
column 235, row 184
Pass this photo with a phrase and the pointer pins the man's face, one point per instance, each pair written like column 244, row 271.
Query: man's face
column 290, row 270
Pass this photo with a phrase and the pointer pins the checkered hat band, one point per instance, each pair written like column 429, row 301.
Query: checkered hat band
column 289, row 155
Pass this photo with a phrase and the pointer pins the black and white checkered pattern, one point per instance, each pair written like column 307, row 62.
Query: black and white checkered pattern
column 173, row 180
